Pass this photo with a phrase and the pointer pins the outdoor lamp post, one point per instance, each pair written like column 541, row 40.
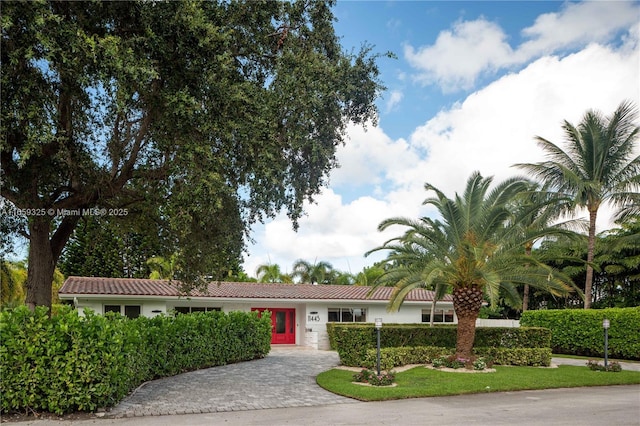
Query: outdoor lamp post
column 378, row 327
column 605, row 325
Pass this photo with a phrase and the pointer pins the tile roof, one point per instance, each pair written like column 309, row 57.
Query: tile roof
column 77, row 286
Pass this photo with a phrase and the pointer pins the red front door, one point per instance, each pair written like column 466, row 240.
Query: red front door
column 283, row 325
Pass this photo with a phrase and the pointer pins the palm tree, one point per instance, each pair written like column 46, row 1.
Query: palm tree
column 369, row 274
column 536, row 213
column 163, row 268
column 470, row 251
column 315, row 273
column 271, row 273
column 597, row 167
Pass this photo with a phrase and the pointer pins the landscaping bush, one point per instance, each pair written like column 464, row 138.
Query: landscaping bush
column 397, row 357
column 69, row 362
column 533, row 357
column 353, row 341
column 612, row 366
column 371, row 377
column 580, row 332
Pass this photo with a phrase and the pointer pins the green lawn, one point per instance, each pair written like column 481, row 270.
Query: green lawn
column 421, row 382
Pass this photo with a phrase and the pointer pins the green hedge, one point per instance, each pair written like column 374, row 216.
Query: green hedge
column 396, row 357
column 580, row 332
column 69, row 362
column 352, row 341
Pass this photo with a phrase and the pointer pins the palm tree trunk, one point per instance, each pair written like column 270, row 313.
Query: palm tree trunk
column 433, row 312
column 467, row 302
column 591, row 248
column 525, row 293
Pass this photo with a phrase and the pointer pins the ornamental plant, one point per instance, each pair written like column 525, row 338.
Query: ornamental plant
column 473, row 363
column 595, row 366
column 369, row 376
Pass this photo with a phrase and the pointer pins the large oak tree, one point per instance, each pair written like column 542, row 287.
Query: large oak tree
column 198, row 117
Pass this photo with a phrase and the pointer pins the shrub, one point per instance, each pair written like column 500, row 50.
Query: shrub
column 396, row 357
column 612, row 366
column 474, row 363
column 533, row 357
column 69, row 362
column 371, row 377
column 354, row 342
column 580, row 332
column 480, row 364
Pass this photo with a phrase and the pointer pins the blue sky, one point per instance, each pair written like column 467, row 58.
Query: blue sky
column 472, row 84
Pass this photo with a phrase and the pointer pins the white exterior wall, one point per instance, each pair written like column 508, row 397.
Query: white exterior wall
column 148, row 308
column 497, row 323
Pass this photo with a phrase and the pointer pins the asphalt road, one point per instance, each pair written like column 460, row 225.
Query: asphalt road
column 596, row 406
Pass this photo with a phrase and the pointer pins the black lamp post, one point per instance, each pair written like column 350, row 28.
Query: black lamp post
column 605, row 325
column 378, row 327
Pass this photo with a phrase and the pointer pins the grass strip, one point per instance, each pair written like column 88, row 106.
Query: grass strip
column 420, row 382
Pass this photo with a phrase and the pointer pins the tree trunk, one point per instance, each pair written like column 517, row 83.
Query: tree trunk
column 525, row 293
column 525, row 298
column 591, row 248
column 467, row 302
column 44, row 253
column 433, row 311
column 41, row 263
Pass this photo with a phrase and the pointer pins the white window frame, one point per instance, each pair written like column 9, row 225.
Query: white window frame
column 350, row 311
column 122, row 309
column 199, row 309
column 440, row 316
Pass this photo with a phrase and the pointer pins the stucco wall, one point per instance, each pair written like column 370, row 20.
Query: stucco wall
column 147, row 307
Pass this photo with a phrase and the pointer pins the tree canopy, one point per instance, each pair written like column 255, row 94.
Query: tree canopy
column 192, row 118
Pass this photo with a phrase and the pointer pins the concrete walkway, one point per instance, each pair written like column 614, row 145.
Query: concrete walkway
column 284, row 378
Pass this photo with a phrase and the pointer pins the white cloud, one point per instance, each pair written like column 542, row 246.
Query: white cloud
column 494, row 128
column 489, row 131
column 473, row 48
column 370, row 157
column 395, row 97
column 578, row 24
column 460, row 55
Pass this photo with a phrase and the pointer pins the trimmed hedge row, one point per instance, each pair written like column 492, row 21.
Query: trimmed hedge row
column 580, row 332
column 396, row 357
column 69, row 362
column 352, row 341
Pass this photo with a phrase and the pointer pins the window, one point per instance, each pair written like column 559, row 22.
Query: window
column 111, row 308
column 130, row 311
column 440, row 316
column 190, row 309
column 347, row 315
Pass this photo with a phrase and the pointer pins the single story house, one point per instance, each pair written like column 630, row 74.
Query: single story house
column 299, row 312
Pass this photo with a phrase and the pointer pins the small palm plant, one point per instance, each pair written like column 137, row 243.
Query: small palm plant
column 473, row 250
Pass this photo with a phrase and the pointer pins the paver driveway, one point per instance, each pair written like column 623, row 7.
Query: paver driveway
column 284, row 378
